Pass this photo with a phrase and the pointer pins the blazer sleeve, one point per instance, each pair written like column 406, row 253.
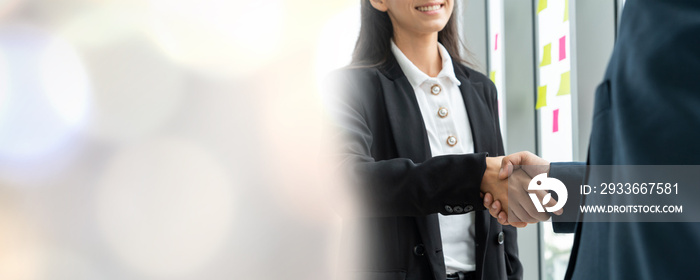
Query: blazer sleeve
column 572, row 175
column 398, row 186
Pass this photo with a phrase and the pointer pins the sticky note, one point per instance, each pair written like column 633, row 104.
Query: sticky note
column 566, row 10
column 492, row 75
column 546, row 55
column 541, row 97
column 495, row 44
column 541, row 5
column 555, row 120
column 562, row 48
column 565, row 84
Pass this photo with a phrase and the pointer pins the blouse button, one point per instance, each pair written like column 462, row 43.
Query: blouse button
column 442, row 112
column 435, row 89
column 452, row 141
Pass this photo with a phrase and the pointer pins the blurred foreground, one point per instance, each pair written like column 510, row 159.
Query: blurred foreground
column 162, row 139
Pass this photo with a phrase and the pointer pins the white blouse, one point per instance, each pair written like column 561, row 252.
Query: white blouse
column 447, row 126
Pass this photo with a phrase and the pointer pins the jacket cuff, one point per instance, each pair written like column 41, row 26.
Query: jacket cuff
column 467, row 198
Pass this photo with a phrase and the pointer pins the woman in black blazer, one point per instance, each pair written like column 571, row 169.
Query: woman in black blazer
column 418, row 167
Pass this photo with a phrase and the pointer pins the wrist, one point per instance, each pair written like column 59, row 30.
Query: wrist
column 491, row 171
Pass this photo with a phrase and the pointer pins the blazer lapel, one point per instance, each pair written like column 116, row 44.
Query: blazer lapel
column 411, row 140
column 479, row 112
column 407, row 124
column 480, row 121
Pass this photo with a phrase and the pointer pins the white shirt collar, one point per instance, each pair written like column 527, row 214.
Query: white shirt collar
column 415, row 76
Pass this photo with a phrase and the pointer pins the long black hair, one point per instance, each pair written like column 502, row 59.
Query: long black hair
column 373, row 47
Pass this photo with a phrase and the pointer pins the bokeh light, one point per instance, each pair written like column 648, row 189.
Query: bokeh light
column 133, row 134
column 337, row 41
column 165, row 207
column 218, row 37
column 136, row 89
column 19, row 242
column 8, row 6
column 45, row 92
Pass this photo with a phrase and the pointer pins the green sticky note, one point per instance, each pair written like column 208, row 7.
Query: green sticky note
column 541, row 97
column 565, row 84
column 541, row 5
column 492, row 75
column 546, row 55
column 566, row 10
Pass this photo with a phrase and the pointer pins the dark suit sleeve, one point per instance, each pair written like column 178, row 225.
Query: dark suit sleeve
column 399, row 186
column 572, row 175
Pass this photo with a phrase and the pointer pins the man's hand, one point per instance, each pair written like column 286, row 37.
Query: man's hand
column 527, row 161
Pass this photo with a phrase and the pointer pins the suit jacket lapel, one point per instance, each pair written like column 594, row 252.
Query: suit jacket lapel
column 411, row 140
column 479, row 120
column 479, row 112
column 407, row 124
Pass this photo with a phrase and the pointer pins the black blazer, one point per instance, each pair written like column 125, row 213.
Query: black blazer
column 401, row 187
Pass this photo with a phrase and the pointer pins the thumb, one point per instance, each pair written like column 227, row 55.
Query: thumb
column 509, row 164
column 551, row 203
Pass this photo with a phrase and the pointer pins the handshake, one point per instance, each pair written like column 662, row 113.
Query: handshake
column 504, row 188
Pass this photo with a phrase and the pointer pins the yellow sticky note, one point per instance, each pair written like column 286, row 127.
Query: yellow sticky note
column 541, row 5
column 565, row 84
column 546, row 55
column 541, row 97
column 566, row 10
column 492, row 75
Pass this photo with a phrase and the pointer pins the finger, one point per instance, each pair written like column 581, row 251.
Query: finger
column 507, row 166
column 531, row 210
column 514, row 213
column 524, row 209
column 513, row 217
column 559, row 212
column 506, row 170
column 518, row 190
column 516, row 199
column 481, row 195
column 532, row 164
column 495, row 208
column 503, row 218
column 551, row 203
column 488, row 199
column 509, row 163
column 519, row 225
column 522, row 214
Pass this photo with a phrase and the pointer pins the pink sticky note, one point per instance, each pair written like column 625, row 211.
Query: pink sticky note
column 555, row 120
column 562, row 47
column 496, row 43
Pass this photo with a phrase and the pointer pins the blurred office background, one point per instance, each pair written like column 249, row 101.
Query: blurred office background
column 182, row 139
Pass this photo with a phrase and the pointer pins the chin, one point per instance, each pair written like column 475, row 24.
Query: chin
column 433, row 27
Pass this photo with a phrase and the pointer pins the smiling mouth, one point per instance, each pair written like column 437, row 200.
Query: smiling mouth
column 429, row 8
